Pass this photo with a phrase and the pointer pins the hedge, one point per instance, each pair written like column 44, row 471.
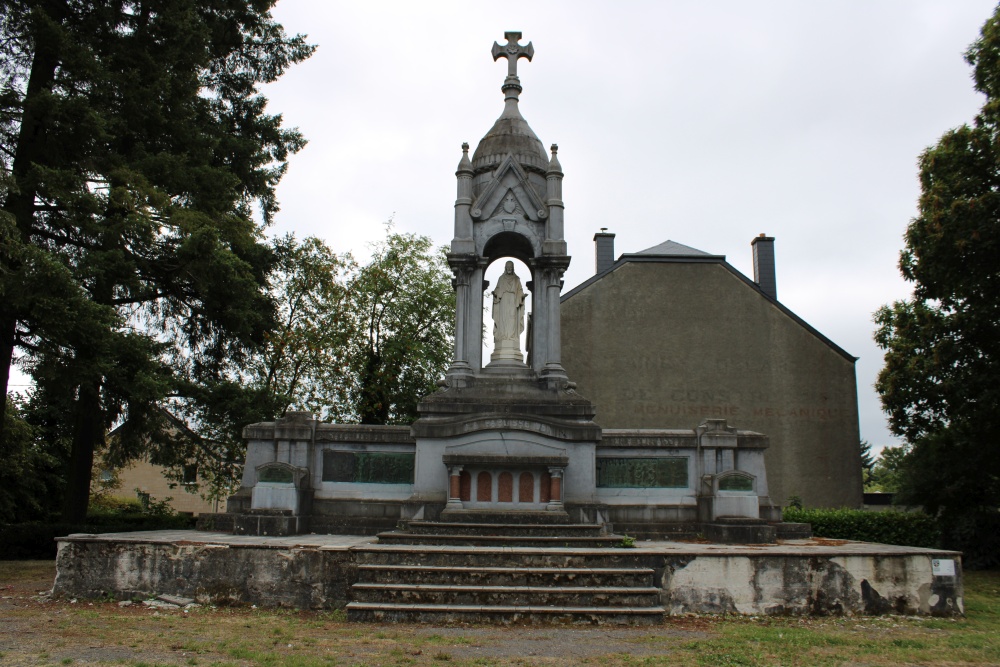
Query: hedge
column 913, row 529
column 36, row 541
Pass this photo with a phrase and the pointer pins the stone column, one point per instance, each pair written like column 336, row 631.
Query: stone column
column 455, row 487
column 553, row 371
column 539, row 318
column 555, row 489
column 474, row 323
column 463, row 267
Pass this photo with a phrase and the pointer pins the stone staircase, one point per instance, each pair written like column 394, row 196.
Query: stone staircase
column 509, row 573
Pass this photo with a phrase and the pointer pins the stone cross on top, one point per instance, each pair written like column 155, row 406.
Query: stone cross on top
column 512, row 51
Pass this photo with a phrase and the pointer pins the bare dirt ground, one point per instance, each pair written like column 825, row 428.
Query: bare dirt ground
column 35, row 630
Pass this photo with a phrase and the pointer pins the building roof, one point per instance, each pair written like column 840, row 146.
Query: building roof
column 673, row 249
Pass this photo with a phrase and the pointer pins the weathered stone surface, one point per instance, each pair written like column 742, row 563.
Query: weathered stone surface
column 739, row 533
column 212, row 573
column 317, row 571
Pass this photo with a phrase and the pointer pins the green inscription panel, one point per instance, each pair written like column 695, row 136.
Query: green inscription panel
column 275, row 474
column 637, row 473
column 368, row 467
column 736, row 483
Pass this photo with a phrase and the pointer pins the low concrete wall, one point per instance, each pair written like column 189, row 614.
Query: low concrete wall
column 799, row 585
column 317, row 571
column 210, row 573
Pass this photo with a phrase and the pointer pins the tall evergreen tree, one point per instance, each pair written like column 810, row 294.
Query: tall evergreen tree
column 136, row 147
column 941, row 382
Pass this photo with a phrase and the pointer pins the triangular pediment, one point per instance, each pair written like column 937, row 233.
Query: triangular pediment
column 509, row 181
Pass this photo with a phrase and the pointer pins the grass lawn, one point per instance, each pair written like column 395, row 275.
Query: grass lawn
column 38, row 632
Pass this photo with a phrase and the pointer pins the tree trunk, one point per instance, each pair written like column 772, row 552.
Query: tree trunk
column 88, row 432
column 7, row 325
column 20, row 202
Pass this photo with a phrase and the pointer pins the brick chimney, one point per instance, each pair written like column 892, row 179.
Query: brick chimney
column 763, row 265
column 604, row 250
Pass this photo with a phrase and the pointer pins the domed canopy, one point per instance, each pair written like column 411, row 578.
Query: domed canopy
column 511, row 133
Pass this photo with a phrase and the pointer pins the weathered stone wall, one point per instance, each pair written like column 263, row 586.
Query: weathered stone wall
column 798, row 586
column 807, row 579
column 668, row 344
column 244, row 574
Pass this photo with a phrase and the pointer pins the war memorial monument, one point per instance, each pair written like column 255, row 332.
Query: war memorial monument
column 506, row 500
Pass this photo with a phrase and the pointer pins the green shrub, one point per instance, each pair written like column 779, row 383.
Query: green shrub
column 106, row 504
column 913, row 529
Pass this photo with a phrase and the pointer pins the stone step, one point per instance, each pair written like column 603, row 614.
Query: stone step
column 508, row 516
column 659, row 531
column 506, row 596
column 445, row 613
column 512, row 557
column 547, row 541
column 506, row 529
column 506, row 576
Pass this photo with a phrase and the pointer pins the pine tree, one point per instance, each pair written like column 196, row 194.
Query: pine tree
column 137, row 145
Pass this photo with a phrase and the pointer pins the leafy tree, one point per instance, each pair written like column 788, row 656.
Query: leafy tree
column 401, row 306
column 352, row 344
column 941, row 382
column 886, row 470
column 300, row 365
column 136, row 145
column 304, row 359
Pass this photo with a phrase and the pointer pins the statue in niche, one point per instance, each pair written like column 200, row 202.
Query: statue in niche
column 508, row 315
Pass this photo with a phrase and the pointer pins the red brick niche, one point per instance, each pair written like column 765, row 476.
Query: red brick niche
column 505, row 488
column 484, row 487
column 465, row 485
column 526, row 488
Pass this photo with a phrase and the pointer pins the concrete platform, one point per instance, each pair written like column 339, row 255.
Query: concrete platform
column 795, row 577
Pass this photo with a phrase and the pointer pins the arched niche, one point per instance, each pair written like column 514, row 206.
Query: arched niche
column 508, row 243
column 491, row 275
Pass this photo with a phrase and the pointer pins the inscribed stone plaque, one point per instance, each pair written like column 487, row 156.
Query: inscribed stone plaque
column 368, row 467
column 275, row 474
column 736, row 483
column 642, row 473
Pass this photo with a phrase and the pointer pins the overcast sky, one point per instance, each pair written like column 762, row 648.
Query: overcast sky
column 702, row 122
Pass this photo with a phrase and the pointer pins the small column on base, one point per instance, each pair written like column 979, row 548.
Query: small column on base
column 455, row 487
column 555, row 489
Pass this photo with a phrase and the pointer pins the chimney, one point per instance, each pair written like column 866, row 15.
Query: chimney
column 604, row 250
column 763, row 265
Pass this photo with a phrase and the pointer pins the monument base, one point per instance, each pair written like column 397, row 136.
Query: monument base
column 802, row 577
